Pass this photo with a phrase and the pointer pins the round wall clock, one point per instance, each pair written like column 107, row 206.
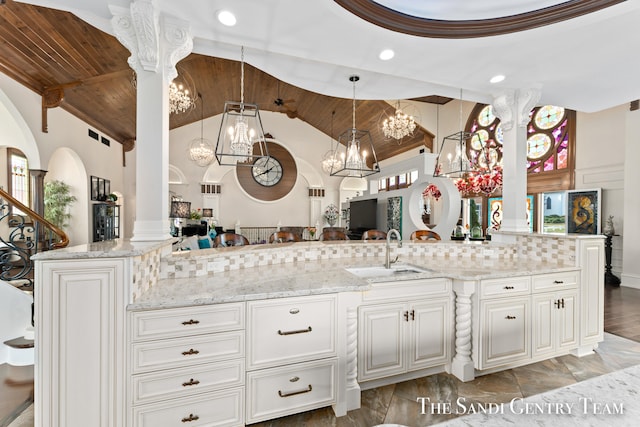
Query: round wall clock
column 269, row 179
column 267, row 172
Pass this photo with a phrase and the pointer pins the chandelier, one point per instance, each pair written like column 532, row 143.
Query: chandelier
column 241, row 139
column 398, row 125
column 180, row 99
column 200, row 149
column 351, row 150
column 329, row 161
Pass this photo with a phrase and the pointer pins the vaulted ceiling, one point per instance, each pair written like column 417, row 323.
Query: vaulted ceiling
column 579, row 53
column 79, row 68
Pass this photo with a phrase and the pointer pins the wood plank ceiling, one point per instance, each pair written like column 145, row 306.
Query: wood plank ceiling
column 83, row 70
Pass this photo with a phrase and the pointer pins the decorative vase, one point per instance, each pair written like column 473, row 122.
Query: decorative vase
column 609, row 230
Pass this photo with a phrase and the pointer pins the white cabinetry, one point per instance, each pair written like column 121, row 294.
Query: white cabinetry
column 187, row 366
column 590, row 254
column 291, row 356
column 503, row 332
column 524, row 319
column 408, row 334
column 80, row 342
column 555, row 313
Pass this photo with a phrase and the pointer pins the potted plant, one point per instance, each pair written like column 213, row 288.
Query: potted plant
column 57, row 200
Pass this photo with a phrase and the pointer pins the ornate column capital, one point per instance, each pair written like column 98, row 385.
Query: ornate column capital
column 514, row 106
column 156, row 42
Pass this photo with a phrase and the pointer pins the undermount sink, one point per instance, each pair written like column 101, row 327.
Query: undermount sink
column 381, row 271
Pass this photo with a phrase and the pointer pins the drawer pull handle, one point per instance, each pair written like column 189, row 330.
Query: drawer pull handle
column 558, row 282
column 191, row 322
column 510, row 317
column 299, row 331
column 190, row 352
column 406, row 316
column 293, row 393
column 294, row 311
column 190, row 382
column 190, row 418
column 508, row 287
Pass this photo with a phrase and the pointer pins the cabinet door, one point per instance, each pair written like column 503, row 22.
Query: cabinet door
column 429, row 334
column 591, row 260
column 567, row 320
column 544, row 328
column 381, row 338
column 80, row 342
column 505, row 332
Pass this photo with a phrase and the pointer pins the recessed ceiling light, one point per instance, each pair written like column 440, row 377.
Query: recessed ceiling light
column 386, row 54
column 497, row 79
column 227, row 18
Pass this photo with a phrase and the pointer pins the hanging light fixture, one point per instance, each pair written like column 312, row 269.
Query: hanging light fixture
column 453, row 161
column 182, row 93
column 201, row 149
column 241, row 138
column 354, row 150
column 329, row 161
column 398, row 125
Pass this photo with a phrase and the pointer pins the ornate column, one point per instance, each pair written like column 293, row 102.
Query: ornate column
column 513, row 108
column 462, row 365
column 156, row 42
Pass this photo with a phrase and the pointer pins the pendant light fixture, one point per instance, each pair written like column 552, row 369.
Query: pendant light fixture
column 453, row 161
column 201, row 149
column 399, row 124
column 355, row 148
column 241, row 138
column 329, row 161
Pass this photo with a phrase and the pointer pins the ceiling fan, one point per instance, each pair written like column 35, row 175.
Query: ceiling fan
column 283, row 107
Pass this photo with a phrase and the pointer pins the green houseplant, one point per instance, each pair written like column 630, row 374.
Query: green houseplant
column 57, row 199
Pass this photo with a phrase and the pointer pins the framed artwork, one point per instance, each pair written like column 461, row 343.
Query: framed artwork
column 583, row 211
column 100, row 188
column 495, row 212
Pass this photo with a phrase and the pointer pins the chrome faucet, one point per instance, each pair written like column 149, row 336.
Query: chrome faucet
column 388, row 262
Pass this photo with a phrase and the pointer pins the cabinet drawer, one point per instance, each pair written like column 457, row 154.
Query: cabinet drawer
column 180, row 322
column 505, row 287
column 217, row 409
column 555, row 281
column 287, row 390
column 188, row 351
column 290, row 330
column 403, row 290
column 176, row 383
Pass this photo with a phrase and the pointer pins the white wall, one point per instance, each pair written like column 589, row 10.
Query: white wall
column 600, row 158
column 631, row 246
column 65, row 131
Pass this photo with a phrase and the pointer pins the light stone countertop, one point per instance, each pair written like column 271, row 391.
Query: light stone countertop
column 319, row 277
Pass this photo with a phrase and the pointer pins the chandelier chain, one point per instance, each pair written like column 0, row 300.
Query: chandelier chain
column 242, row 75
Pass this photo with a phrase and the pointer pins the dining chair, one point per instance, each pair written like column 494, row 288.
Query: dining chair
column 329, row 235
column 424, row 235
column 283, row 236
column 374, row 235
column 230, row 239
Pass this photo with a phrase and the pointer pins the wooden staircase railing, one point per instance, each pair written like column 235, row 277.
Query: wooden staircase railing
column 22, row 235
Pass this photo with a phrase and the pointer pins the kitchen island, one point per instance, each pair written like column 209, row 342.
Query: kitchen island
column 132, row 334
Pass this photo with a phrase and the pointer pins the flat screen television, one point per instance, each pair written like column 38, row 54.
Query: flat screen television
column 362, row 215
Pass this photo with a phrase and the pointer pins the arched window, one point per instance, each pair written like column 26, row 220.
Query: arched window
column 550, row 142
column 18, row 176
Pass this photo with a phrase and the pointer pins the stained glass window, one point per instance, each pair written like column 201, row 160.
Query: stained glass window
column 547, row 138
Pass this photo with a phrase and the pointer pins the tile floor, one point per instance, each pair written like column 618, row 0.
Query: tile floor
column 396, row 404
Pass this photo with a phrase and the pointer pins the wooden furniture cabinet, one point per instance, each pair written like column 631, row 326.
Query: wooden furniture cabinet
column 106, row 221
column 187, row 366
column 292, row 358
column 404, row 327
